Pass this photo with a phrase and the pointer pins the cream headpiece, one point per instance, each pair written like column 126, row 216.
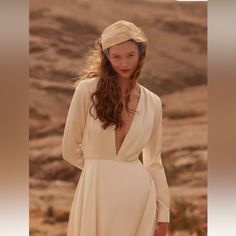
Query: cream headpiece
column 119, row 32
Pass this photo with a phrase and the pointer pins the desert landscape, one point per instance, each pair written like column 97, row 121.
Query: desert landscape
column 61, row 33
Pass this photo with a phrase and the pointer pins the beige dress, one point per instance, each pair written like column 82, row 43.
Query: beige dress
column 116, row 195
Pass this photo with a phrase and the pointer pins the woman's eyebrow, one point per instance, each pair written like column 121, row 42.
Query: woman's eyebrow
column 114, row 54
column 131, row 52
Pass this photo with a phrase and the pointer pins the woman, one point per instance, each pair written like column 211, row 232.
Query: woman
column 111, row 120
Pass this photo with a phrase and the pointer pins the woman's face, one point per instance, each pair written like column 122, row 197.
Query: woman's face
column 124, row 58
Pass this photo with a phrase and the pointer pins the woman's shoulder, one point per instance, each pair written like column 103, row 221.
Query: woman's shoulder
column 87, row 84
column 151, row 96
column 84, row 89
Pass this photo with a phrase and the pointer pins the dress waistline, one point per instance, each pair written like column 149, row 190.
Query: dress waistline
column 133, row 158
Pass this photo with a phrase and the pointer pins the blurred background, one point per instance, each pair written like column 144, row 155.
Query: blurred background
column 61, row 33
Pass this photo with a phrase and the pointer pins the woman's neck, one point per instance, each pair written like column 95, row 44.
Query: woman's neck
column 123, row 83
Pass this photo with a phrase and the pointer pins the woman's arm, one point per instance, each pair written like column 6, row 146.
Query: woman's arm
column 74, row 126
column 153, row 163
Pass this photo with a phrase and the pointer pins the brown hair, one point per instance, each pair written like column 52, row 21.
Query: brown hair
column 108, row 103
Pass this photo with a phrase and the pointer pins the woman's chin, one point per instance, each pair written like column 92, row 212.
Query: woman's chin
column 125, row 75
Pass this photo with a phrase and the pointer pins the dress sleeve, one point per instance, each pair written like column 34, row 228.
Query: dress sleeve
column 74, row 126
column 153, row 163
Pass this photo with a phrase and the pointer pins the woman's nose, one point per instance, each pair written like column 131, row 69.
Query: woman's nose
column 123, row 62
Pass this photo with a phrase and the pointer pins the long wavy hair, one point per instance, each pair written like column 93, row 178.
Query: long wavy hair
column 107, row 96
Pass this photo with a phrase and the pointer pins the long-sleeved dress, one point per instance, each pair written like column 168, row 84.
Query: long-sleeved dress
column 117, row 194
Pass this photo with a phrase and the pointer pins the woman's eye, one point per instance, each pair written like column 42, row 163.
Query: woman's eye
column 131, row 55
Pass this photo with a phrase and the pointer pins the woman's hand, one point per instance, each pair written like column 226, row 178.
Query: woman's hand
column 161, row 229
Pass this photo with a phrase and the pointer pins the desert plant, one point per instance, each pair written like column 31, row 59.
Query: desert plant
column 183, row 218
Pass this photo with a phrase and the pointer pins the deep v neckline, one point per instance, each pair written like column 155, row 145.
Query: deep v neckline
column 130, row 127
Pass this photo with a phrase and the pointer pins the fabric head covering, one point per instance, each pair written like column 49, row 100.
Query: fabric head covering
column 121, row 31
